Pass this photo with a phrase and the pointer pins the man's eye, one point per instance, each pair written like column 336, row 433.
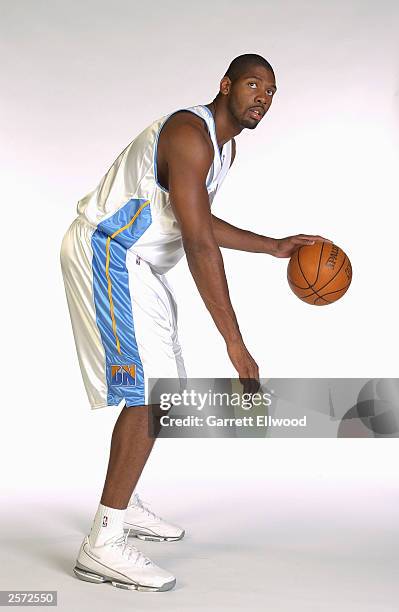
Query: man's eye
column 252, row 84
column 270, row 92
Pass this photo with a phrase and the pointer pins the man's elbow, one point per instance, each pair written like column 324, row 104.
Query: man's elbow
column 199, row 245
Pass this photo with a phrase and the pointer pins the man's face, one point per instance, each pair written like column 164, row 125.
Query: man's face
column 250, row 96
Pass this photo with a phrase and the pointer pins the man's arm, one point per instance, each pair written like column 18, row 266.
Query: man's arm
column 232, row 237
column 189, row 157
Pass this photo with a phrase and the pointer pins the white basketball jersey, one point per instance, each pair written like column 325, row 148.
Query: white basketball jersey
column 129, row 193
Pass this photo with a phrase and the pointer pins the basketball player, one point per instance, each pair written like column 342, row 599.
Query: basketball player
column 152, row 207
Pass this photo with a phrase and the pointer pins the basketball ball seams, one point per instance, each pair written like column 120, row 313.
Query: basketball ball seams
column 296, row 254
column 338, row 290
column 304, row 297
column 311, row 285
column 327, row 283
column 295, row 285
column 331, row 279
column 300, row 268
column 318, row 267
column 335, row 275
column 318, row 298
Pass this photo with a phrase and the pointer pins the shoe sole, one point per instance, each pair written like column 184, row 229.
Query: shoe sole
column 84, row 573
column 153, row 538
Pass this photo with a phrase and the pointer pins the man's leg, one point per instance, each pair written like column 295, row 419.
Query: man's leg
column 105, row 555
column 130, row 448
column 132, row 440
column 131, row 445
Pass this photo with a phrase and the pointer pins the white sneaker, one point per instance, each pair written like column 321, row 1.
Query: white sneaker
column 122, row 565
column 145, row 525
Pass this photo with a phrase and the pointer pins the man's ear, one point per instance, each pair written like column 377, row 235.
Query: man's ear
column 225, row 85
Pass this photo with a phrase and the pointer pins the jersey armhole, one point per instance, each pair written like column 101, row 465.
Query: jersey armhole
column 181, row 110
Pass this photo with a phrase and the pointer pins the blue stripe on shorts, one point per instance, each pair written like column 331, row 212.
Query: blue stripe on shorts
column 124, row 369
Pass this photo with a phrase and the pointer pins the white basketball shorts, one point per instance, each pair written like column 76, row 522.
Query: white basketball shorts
column 124, row 318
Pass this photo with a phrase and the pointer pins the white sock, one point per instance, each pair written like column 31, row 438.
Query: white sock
column 107, row 523
column 132, row 498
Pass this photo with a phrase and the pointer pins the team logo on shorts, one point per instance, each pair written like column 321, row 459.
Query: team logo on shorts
column 123, row 375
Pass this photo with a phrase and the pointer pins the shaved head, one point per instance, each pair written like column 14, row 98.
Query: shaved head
column 242, row 63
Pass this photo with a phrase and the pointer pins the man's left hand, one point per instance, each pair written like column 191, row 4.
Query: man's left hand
column 285, row 247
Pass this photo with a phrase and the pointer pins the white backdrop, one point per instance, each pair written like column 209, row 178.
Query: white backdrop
column 80, row 80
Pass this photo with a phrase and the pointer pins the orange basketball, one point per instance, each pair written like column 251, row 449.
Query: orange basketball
column 319, row 273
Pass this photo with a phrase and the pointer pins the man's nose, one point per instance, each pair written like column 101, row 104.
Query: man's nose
column 262, row 99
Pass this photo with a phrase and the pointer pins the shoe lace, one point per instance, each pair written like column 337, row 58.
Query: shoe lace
column 140, row 503
column 129, row 550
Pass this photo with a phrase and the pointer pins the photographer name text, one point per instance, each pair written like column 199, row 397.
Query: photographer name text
column 247, row 421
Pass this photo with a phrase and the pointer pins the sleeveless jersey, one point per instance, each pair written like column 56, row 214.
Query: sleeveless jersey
column 132, row 207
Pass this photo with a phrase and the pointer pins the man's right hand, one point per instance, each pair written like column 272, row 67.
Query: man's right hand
column 245, row 365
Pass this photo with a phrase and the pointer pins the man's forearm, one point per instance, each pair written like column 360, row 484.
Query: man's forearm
column 206, row 265
column 231, row 237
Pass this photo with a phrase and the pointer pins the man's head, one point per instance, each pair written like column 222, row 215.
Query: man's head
column 249, row 83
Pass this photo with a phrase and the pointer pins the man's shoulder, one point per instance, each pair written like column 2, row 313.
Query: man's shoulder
column 181, row 119
column 186, row 127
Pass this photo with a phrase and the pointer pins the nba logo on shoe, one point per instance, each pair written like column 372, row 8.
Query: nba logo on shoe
column 105, row 521
column 123, row 375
